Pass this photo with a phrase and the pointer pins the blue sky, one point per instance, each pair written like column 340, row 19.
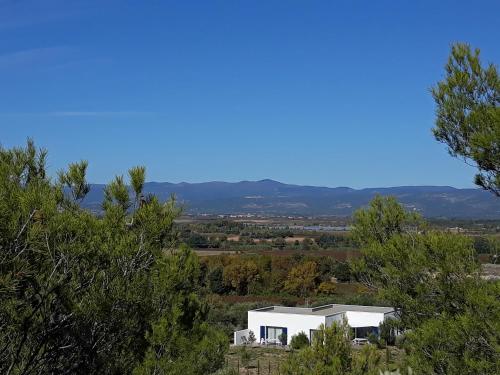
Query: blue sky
column 332, row 93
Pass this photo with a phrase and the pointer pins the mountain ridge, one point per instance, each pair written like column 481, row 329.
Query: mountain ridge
column 270, row 197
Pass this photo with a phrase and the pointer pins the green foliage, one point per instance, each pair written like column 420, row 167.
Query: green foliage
column 74, row 180
column 86, row 294
column 245, row 356
column 384, row 218
column 468, row 115
column 307, row 244
column 327, row 287
column 342, row 271
column 137, row 178
column 464, row 343
column 268, row 274
column 422, row 274
column 226, row 371
column 116, row 195
column 230, row 317
column 451, row 315
column 329, row 241
column 388, row 329
column 368, row 362
column 299, row 341
column 174, row 350
column 216, row 281
column 279, row 243
column 283, row 338
column 331, row 354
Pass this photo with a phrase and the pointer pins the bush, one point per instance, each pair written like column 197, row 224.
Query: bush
column 245, row 356
column 326, row 287
column 373, row 338
column 226, row 371
column 387, row 328
column 342, row 272
column 400, row 341
column 283, row 338
column 299, row 341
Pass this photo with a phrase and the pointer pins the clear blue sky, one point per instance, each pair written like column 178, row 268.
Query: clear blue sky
column 332, row 93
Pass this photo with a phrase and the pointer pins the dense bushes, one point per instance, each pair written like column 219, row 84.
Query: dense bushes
column 272, row 274
column 81, row 294
column 299, row 341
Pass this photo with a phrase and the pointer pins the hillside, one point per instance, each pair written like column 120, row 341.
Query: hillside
column 268, row 197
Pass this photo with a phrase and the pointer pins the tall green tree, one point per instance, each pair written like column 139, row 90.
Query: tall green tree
column 383, row 218
column 450, row 315
column 82, row 294
column 468, row 114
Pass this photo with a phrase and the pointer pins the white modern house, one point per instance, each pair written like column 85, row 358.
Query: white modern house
column 269, row 323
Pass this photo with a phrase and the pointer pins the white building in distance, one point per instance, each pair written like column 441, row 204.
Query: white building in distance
column 269, row 323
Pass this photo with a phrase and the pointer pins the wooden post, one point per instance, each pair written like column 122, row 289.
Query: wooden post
column 269, row 367
column 238, row 366
column 258, row 367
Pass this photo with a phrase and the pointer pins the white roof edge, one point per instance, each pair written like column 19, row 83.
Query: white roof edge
column 315, row 310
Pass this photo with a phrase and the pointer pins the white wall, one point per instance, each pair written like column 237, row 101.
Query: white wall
column 364, row 319
column 294, row 323
column 334, row 318
column 238, row 336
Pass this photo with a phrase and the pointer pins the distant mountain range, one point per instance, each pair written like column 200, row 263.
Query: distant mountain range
column 268, row 197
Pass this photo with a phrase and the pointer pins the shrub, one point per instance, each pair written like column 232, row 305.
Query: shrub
column 400, row 341
column 283, row 338
column 245, row 356
column 373, row 338
column 387, row 328
column 299, row 341
column 326, row 287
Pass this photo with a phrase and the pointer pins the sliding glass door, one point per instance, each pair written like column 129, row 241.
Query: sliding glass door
column 273, row 333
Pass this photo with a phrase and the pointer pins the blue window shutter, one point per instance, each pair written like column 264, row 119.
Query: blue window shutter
column 285, row 332
column 262, row 332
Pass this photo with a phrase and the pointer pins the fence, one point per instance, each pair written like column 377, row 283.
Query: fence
column 261, row 368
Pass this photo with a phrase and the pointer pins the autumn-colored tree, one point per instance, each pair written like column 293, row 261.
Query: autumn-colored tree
column 240, row 274
column 302, row 279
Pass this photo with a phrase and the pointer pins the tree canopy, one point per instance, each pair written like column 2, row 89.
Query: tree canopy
column 468, row 114
column 86, row 294
column 450, row 316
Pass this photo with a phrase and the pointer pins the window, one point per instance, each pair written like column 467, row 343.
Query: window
column 364, row 332
column 273, row 333
column 312, row 333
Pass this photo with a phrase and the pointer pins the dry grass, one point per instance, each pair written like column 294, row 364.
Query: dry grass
column 263, row 361
column 207, row 253
column 267, row 360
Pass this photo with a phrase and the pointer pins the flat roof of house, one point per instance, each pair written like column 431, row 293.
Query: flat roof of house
column 325, row 310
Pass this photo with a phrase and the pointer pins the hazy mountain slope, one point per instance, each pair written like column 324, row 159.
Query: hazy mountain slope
column 272, row 197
